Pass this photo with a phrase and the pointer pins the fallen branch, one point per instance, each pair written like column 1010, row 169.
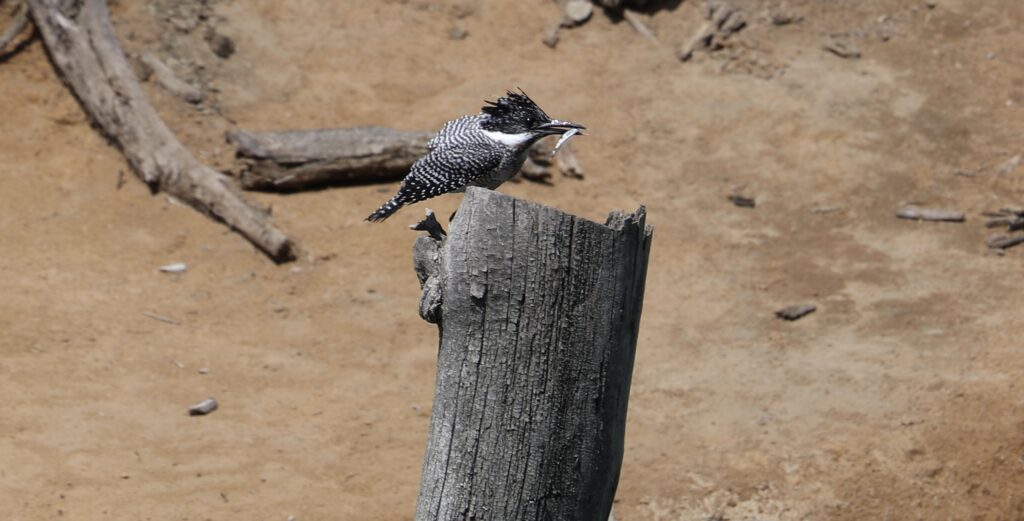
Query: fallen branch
column 85, row 50
column 1002, row 242
column 302, row 159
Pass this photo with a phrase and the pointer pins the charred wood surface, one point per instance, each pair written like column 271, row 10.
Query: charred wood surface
column 538, row 313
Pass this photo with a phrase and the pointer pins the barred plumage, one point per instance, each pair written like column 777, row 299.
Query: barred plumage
column 482, row 150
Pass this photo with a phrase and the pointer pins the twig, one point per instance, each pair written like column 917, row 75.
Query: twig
column 18, row 24
column 638, row 25
column 825, row 209
column 700, row 40
column 1008, row 166
column 1002, row 242
column 161, row 318
column 929, row 214
column 842, row 49
column 168, row 80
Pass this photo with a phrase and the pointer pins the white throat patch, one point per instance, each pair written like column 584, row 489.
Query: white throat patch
column 508, row 139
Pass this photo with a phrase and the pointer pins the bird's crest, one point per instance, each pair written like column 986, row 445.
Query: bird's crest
column 513, row 112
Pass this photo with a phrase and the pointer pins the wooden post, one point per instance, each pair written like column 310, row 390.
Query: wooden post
column 538, row 313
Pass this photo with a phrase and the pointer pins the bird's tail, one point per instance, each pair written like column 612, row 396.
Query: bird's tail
column 387, row 208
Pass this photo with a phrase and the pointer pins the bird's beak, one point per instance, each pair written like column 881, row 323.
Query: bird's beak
column 557, row 126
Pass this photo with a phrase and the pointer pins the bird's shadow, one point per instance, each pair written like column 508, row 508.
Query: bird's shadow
column 652, row 7
column 20, row 46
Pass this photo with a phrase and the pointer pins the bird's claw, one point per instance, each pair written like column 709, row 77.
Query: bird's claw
column 430, row 225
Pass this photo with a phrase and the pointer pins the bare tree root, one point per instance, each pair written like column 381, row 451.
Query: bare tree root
column 82, row 45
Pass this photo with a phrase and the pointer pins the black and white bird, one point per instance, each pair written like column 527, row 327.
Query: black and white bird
column 481, row 150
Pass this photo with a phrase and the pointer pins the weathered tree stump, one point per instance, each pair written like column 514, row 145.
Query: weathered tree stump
column 538, row 313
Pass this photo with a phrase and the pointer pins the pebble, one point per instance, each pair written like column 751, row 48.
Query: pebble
column 796, row 312
column 579, row 11
column 203, row 408
column 177, row 267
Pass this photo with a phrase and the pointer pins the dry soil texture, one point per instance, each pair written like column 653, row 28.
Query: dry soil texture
column 900, row 398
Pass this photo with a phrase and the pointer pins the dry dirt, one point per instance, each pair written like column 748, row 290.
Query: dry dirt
column 900, row 398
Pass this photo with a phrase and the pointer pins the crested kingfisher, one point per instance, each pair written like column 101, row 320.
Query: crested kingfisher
column 485, row 150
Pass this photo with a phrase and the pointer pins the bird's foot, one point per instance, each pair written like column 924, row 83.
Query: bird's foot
column 430, row 225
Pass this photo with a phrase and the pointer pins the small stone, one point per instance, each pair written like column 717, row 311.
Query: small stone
column 204, row 370
column 796, row 312
column 742, row 201
column 931, row 4
column 177, row 267
column 203, row 408
column 458, row 33
column 579, row 11
column 780, row 19
column 551, row 36
column 221, row 45
column 842, row 49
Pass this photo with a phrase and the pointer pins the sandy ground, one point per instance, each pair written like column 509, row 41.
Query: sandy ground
column 900, row 398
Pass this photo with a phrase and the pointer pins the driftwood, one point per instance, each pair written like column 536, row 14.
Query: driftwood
column 81, row 42
column 538, row 313
column 303, row 159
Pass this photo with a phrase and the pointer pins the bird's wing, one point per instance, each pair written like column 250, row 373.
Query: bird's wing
column 448, row 168
column 455, row 132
